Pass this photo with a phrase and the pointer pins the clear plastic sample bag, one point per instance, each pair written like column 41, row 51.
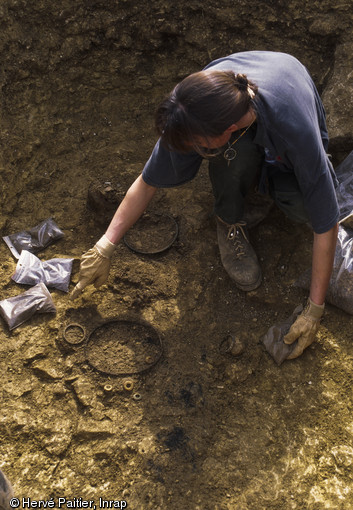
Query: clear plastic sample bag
column 55, row 273
column 34, row 239
column 18, row 309
column 340, row 289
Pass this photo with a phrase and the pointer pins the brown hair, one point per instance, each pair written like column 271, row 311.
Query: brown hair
column 204, row 104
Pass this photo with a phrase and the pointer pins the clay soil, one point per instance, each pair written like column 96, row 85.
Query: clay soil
column 206, row 431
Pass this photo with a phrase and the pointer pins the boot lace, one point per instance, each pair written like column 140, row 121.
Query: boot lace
column 235, row 234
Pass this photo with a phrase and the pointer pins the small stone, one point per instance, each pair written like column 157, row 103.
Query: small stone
column 85, row 392
column 90, row 429
column 237, row 348
column 44, row 370
column 59, row 390
column 33, row 353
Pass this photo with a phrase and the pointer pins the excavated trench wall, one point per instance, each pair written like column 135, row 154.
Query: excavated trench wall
column 52, row 51
column 80, row 80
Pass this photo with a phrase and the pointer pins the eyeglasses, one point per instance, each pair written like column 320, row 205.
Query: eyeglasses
column 208, row 153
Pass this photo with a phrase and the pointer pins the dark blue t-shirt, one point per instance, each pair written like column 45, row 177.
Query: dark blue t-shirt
column 290, row 124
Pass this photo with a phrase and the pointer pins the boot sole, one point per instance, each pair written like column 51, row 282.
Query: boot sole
column 250, row 286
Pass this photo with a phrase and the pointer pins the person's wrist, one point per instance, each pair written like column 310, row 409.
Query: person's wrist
column 105, row 247
column 313, row 310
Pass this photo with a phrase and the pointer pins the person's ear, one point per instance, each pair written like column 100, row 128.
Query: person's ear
column 232, row 128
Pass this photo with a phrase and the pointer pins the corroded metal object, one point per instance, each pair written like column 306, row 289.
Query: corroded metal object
column 74, row 334
column 103, row 199
column 112, row 347
column 153, row 233
column 231, row 345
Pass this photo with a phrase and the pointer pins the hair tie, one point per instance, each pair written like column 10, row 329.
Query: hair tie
column 241, row 82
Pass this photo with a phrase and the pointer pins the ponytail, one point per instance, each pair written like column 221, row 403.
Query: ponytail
column 203, row 105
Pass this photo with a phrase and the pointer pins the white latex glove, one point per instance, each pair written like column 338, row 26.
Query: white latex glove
column 304, row 328
column 95, row 266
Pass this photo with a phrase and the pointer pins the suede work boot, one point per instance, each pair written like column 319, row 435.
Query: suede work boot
column 238, row 256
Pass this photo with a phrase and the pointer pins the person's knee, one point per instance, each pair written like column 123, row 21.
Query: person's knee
column 292, row 205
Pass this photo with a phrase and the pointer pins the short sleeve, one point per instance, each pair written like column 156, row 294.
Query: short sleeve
column 166, row 169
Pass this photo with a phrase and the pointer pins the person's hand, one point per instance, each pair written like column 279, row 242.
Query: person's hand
column 95, row 266
column 304, row 328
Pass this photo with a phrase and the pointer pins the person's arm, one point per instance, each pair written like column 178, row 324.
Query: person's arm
column 131, row 208
column 95, row 263
column 305, row 327
column 322, row 261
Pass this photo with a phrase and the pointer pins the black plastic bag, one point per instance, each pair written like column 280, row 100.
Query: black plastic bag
column 18, row 309
column 34, row 239
column 30, row 270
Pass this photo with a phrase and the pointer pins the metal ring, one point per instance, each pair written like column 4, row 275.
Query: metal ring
column 227, row 344
column 74, row 325
column 159, row 250
column 131, row 372
column 231, row 345
column 137, row 396
column 128, row 385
